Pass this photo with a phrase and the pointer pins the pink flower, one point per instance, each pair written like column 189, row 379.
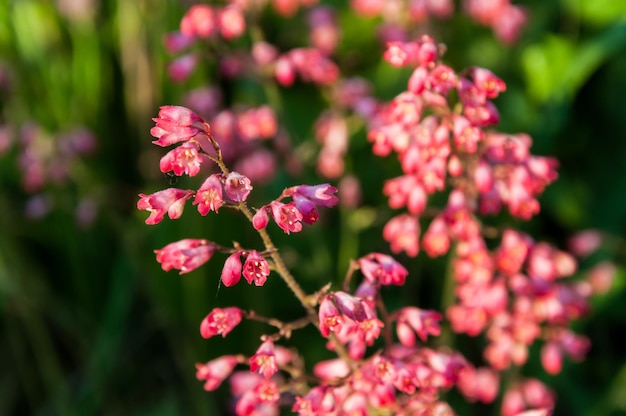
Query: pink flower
column 318, row 401
column 286, row 216
column 231, row 273
column 260, row 219
column 256, row 269
column 402, row 232
column 323, row 194
column 423, row 322
column 185, row 255
column 231, row 22
column 306, row 198
column 220, row 322
column 198, row 21
column 209, row 196
column 329, row 316
column 177, row 124
column 237, row 187
column 264, row 361
column 182, row 67
column 176, row 42
column 350, row 306
column 216, row 371
column 486, row 82
column 436, row 240
column 479, row 384
column 183, row 159
column 378, row 267
column 171, row 200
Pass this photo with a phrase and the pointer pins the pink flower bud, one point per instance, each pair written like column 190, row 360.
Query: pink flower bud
column 417, row 82
column 260, row 218
column 284, row 71
column 436, row 240
column 231, row 273
column 551, row 357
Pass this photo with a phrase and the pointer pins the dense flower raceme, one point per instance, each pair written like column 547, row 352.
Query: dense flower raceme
column 180, row 126
column 515, row 294
column 405, row 378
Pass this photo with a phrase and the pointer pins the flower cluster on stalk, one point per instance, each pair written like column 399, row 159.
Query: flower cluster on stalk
column 507, row 286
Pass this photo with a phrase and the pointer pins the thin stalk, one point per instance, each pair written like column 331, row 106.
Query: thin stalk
column 279, row 264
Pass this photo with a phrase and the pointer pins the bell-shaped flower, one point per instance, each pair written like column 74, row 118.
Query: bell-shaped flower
column 183, row 159
column 220, row 322
column 378, row 267
column 264, row 360
column 171, row 200
column 176, row 124
column 185, row 255
column 329, row 316
column 287, row 216
column 323, row 194
column 237, row 187
column 350, row 306
column 422, row 322
column 256, row 269
column 209, row 197
column 216, row 371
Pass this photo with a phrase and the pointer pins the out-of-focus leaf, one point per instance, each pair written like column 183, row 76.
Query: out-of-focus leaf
column 545, row 64
column 557, row 69
column 597, row 12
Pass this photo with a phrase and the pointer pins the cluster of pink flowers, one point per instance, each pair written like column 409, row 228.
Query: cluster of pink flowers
column 507, row 286
column 46, row 162
column 192, row 135
column 505, row 19
column 516, row 293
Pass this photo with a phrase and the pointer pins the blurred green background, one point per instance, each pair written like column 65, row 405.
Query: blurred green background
column 92, row 325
